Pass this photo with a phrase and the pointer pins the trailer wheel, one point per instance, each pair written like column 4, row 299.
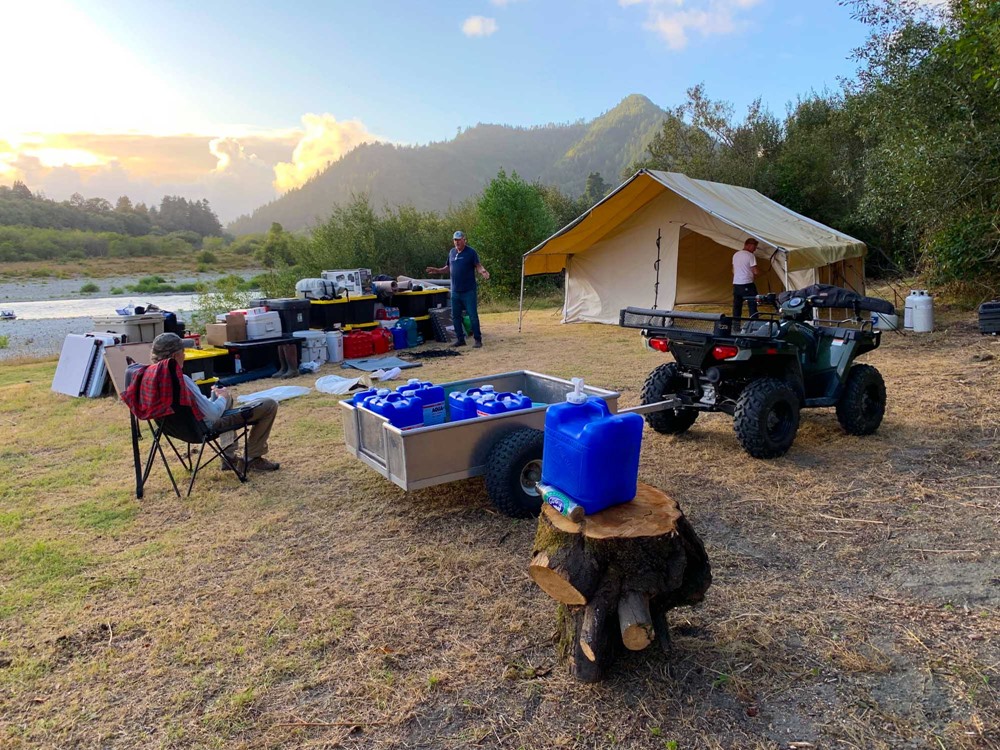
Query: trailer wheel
column 666, row 380
column 862, row 405
column 514, row 465
column 767, row 418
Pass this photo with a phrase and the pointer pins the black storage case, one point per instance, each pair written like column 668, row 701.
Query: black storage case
column 412, row 304
column 989, row 317
column 361, row 309
column 328, row 314
column 294, row 313
column 257, row 354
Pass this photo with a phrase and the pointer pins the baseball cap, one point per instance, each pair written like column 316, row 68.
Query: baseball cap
column 165, row 345
column 458, row 235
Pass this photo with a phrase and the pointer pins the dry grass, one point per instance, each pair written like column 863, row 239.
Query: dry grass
column 854, row 603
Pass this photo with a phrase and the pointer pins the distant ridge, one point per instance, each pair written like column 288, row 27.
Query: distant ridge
column 438, row 175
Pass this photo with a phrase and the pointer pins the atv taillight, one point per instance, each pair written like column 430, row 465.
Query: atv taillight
column 661, row 345
column 725, row 352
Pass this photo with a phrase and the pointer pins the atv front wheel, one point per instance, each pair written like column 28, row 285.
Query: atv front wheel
column 862, row 405
column 664, row 381
column 767, row 418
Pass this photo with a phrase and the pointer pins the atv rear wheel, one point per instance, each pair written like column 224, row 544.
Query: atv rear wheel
column 862, row 405
column 666, row 380
column 767, row 418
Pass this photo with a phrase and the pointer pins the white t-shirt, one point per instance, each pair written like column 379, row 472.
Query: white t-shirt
column 742, row 263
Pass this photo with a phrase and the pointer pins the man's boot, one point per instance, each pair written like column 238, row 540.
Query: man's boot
column 283, row 369
column 292, row 358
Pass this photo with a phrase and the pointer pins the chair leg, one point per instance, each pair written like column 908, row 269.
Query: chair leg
column 136, row 458
column 197, row 466
column 157, row 447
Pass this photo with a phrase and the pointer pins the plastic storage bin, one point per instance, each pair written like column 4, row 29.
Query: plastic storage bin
column 294, row 313
column 199, row 364
column 361, row 308
column 256, row 354
column 413, row 304
column 135, row 328
column 327, row 314
column 591, row 454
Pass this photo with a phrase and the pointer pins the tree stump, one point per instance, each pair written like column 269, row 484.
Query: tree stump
column 615, row 574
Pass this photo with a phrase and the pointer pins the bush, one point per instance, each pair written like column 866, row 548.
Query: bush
column 89, row 288
column 207, row 257
column 4, row 342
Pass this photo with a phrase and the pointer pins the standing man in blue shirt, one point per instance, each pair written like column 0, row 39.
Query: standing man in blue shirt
column 463, row 262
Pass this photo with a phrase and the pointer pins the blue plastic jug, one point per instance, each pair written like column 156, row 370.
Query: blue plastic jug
column 358, row 398
column 410, row 326
column 405, row 412
column 591, row 454
column 502, row 403
column 462, row 404
column 399, row 338
column 431, row 397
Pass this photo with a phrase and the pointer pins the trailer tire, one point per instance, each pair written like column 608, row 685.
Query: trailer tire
column 666, row 380
column 862, row 404
column 514, row 465
column 767, row 418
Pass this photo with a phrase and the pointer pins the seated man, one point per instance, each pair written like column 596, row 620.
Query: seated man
column 214, row 412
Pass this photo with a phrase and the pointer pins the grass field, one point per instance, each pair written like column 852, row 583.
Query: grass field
column 854, row 604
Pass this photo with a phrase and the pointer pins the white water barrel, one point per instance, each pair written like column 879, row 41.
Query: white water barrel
column 923, row 313
column 335, row 346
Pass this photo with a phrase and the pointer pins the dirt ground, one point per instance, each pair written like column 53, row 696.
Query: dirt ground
column 854, row 603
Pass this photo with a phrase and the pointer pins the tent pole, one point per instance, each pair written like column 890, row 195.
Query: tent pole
column 520, row 306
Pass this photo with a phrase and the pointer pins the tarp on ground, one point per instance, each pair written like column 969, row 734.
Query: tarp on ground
column 612, row 261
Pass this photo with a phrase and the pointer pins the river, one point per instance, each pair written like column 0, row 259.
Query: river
column 97, row 306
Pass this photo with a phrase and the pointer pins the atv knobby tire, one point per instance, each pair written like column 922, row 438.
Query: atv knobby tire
column 666, row 380
column 514, row 465
column 767, row 418
column 862, row 404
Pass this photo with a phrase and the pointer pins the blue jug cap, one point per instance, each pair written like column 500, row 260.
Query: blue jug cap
column 487, row 389
column 382, row 392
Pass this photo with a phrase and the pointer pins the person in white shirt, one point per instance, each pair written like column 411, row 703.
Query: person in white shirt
column 744, row 272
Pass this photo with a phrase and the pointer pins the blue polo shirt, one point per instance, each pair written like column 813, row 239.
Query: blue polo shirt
column 463, row 269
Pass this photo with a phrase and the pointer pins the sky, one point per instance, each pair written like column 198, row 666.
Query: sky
column 237, row 102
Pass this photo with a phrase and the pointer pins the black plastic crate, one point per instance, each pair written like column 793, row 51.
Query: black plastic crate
column 294, row 313
column 989, row 317
column 412, row 304
column 328, row 314
column 257, row 354
column 361, row 309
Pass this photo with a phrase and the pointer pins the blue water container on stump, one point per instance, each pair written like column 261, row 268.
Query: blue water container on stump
column 462, row 404
column 431, row 397
column 405, row 412
column 502, row 403
column 591, row 454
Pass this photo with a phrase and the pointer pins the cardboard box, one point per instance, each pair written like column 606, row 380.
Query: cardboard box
column 236, row 327
column 216, row 334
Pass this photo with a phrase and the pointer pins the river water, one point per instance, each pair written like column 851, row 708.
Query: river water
column 97, row 306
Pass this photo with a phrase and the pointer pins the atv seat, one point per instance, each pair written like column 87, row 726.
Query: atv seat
column 836, row 332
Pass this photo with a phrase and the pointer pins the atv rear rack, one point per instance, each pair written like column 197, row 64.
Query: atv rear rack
column 666, row 322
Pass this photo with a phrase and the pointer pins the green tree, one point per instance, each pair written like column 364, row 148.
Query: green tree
column 597, row 188
column 513, row 218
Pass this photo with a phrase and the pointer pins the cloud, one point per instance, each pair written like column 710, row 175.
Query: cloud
column 674, row 21
column 325, row 140
column 479, row 26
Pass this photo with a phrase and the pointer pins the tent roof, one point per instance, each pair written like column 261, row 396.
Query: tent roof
column 743, row 212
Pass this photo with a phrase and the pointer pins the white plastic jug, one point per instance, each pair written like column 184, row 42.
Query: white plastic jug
column 335, row 346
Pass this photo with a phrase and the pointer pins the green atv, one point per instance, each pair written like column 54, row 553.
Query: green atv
column 764, row 369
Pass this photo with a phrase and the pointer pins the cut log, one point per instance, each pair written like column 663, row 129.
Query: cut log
column 635, row 621
column 615, row 574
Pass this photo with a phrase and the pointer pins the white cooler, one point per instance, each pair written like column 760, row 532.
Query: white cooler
column 263, row 326
column 137, row 328
column 313, row 346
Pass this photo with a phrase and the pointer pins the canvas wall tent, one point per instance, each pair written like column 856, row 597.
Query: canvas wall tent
column 610, row 253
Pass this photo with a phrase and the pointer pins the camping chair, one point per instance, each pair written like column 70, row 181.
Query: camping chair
column 185, row 428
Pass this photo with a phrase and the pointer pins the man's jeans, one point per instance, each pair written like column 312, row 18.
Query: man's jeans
column 739, row 292
column 468, row 302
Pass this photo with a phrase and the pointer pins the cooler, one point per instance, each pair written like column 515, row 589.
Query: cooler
column 361, row 308
column 425, row 328
column 263, row 326
column 989, row 317
column 136, row 328
column 294, row 313
column 327, row 314
column 313, row 348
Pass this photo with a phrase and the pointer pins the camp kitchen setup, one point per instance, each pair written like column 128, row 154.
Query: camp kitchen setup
column 343, row 315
